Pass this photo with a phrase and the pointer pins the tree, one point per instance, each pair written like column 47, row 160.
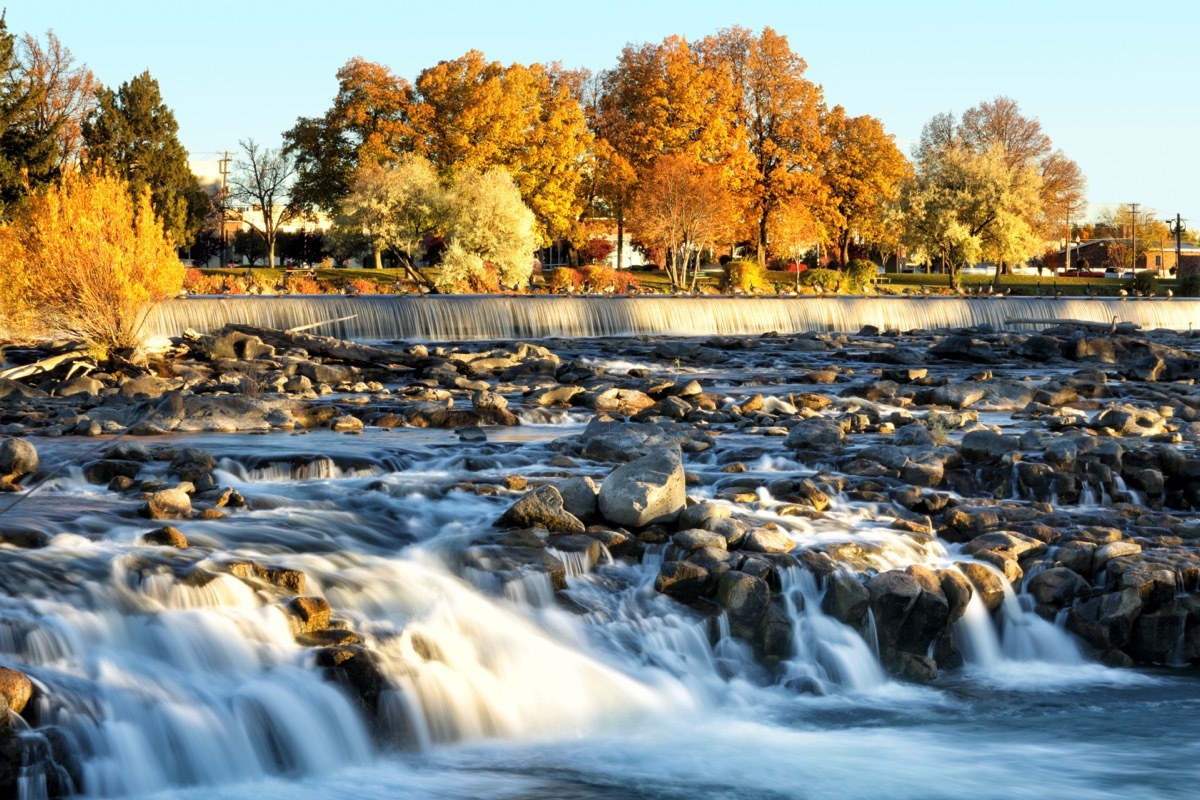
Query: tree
column 796, row 230
column 262, row 179
column 132, row 134
column 66, row 95
column 395, row 207
column 683, row 210
column 474, row 114
column 862, row 174
column 250, row 246
column 86, row 258
column 486, row 217
column 26, row 157
column 963, row 205
column 777, row 112
column 368, row 122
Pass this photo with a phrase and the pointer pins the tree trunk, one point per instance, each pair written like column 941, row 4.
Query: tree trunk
column 377, row 254
column 762, row 239
column 271, row 253
column 620, row 238
column 844, row 247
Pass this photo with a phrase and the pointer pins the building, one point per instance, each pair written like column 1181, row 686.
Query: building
column 1102, row 254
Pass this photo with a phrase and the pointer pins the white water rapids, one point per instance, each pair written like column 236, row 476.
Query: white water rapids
column 170, row 687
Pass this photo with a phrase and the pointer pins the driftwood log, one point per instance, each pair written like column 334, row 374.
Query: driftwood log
column 332, row 348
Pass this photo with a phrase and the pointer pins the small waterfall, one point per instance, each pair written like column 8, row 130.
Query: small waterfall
column 826, row 652
column 472, row 317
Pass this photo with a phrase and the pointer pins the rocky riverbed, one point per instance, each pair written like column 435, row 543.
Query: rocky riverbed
column 812, row 513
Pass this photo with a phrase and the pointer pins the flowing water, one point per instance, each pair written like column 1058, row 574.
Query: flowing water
column 467, row 317
column 161, row 675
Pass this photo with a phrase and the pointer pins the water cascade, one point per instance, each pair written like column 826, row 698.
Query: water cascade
column 473, row 317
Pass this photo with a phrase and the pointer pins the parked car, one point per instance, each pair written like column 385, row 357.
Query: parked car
column 1113, row 272
column 1080, row 273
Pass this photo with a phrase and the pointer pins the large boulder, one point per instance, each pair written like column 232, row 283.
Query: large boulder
column 15, row 689
column 646, row 491
column 191, row 464
column 815, row 433
column 745, row 599
column 987, row 445
column 682, row 580
column 18, row 458
column 167, row 504
column 541, row 508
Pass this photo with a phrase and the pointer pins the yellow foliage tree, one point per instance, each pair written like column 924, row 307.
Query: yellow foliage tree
column 87, row 259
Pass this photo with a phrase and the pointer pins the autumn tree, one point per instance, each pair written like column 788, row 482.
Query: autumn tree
column 777, row 113
column 262, row 179
column 66, row 95
column 88, row 258
column 861, row 173
column 475, row 114
column 133, row 135
column 488, row 224
column 659, row 99
column 1143, row 234
column 683, row 210
column 396, row 207
column 963, row 205
column 25, row 156
column 368, row 122
column 796, row 229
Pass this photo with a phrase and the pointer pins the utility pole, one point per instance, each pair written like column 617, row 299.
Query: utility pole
column 223, row 198
column 1133, row 207
column 1175, row 226
column 1067, row 247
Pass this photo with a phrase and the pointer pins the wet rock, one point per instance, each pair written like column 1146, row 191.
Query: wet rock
column 167, row 504
column 1106, row 622
column 191, row 464
column 346, row 422
column 1129, row 421
column 15, row 690
column 1105, row 553
column 166, row 537
column 18, row 458
column 964, row 348
column 328, row 637
column 541, row 508
column 694, row 516
column 762, row 540
column 106, row 470
column 619, row 401
column 989, row 585
column 954, row 395
column 432, row 416
column 846, row 599
column 1057, row 587
column 358, row 671
column 1158, row 635
column 815, row 433
column 129, row 450
column 696, row 538
column 987, row 445
column 745, row 599
column 646, row 491
column 682, row 580
column 957, row 589
column 307, row 614
column 145, row 388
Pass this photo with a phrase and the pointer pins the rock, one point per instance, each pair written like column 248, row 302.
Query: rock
column 646, row 491
column 579, row 496
column 18, row 458
column 487, row 399
column 1157, row 635
column 808, row 492
column 846, row 599
column 620, row 401
column 1057, row 587
column 762, row 540
column 1105, row 553
column 167, row 504
column 682, row 580
column 964, row 348
column 128, row 450
column 191, row 464
column 106, row 470
column 332, row 374
column 989, row 585
column 696, row 538
column 694, row 516
column 166, row 537
column 745, row 599
column 307, row 614
column 357, row 671
column 893, row 594
column 815, row 433
column 1129, row 421
column 1106, row 622
column 953, row 395
column 15, row 690
column 1006, row 543
column 346, row 422
column 958, row 592
column 541, row 508
column 987, row 445
column 145, row 388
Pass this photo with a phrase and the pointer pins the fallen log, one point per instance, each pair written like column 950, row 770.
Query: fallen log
column 329, row 347
column 299, row 328
column 1115, row 327
column 45, row 365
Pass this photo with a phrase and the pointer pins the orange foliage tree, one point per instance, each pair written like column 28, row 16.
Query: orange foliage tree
column 85, row 258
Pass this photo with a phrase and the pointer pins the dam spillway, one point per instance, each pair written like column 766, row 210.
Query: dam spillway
column 483, row 317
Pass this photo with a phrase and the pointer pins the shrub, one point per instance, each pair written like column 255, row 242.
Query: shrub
column 364, row 286
column 302, row 284
column 197, row 282
column 745, row 276
column 564, row 279
column 596, row 251
column 1143, row 282
column 601, row 278
column 111, row 262
column 858, row 276
column 829, row 280
column 1189, row 285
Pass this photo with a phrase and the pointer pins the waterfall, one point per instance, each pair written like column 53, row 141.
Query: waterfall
column 472, row 317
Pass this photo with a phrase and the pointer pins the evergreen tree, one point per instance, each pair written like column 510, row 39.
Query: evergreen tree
column 133, row 134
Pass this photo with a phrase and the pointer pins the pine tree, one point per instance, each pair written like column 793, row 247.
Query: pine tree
column 134, row 135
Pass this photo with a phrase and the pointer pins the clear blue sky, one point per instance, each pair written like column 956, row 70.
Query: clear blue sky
column 1113, row 83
